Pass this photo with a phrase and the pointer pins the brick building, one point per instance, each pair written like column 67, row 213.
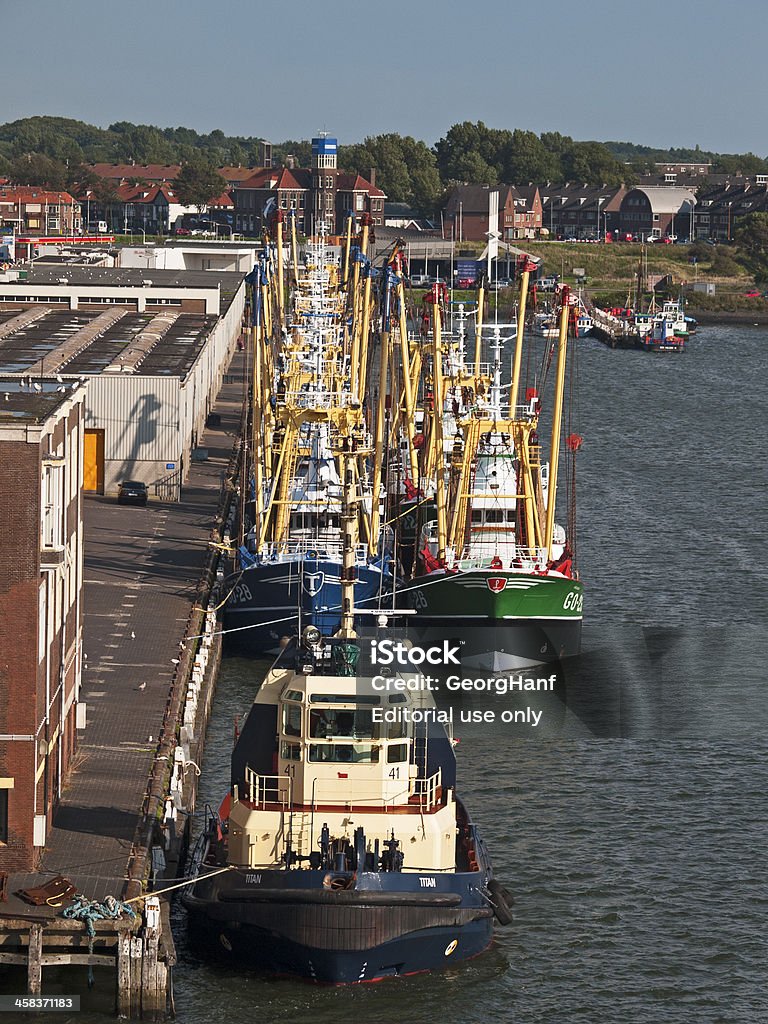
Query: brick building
column 41, row 577
column 321, row 192
column 28, row 208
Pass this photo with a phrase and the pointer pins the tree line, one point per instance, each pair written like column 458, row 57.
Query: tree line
column 54, row 151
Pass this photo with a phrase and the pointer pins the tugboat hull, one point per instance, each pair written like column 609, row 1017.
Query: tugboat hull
column 345, row 937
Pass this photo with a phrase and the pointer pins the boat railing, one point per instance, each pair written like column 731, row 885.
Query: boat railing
column 263, row 790
column 268, row 789
column 320, row 398
column 427, row 791
column 308, row 546
column 521, row 558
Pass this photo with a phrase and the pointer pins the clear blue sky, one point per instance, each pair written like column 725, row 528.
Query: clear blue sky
column 660, row 73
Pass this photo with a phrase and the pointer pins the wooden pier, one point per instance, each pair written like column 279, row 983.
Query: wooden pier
column 124, row 815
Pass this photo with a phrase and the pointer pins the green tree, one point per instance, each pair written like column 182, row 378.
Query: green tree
column 198, row 183
column 526, row 158
column 406, row 169
column 752, row 238
column 472, row 153
column 37, row 169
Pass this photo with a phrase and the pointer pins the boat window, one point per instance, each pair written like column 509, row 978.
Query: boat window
column 397, row 752
column 290, row 751
column 292, row 719
column 477, row 516
column 397, row 698
column 510, row 515
column 343, row 698
column 397, row 730
column 293, row 695
column 494, row 515
column 344, row 753
column 329, row 722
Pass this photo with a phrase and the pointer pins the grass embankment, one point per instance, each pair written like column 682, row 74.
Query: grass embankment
column 611, row 272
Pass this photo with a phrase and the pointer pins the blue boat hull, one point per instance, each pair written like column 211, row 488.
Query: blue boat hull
column 345, row 937
column 264, row 598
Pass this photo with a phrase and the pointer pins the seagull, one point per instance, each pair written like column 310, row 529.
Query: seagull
column 175, row 661
column 142, row 686
column 133, row 635
column 37, row 387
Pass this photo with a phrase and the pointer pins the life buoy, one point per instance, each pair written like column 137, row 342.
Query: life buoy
column 500, row 901
column 496, row 562
column 313, row 555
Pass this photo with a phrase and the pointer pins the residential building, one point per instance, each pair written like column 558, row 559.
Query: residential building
column 42, row 425
column 657, row 211
column 33, row 210
column 321, row 192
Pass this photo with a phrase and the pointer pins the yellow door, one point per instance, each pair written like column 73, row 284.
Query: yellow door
column 93, row 461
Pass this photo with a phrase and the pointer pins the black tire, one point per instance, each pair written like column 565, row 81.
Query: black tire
column 501, row 899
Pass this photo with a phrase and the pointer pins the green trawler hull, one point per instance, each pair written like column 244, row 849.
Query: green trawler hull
column 506, row 620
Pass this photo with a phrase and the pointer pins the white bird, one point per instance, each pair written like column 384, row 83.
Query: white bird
column 133, row 635
column 59, row 379
column 175, row 661
column 7, row 396
column 37, row 387
column 142, row 686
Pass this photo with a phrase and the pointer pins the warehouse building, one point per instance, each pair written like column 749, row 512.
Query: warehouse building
column 152, row 350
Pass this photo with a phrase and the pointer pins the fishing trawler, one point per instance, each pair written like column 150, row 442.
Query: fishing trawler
column 343, row 853
column 305, row 398
column 496, row 569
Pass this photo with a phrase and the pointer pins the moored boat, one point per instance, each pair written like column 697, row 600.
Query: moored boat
column 495, row 569
column 344, row 854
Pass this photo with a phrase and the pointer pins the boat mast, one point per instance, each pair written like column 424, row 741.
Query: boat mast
column 381, row 409
column 525, row 267
column 280, row 276
column 405, row 357
column 557, row 416
column 479, row 332
column 349, row 535
column 437, row 429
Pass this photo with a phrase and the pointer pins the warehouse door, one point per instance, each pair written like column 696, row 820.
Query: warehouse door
column 93, row 461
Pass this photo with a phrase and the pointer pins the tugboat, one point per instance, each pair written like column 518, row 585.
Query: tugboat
column 345, row 855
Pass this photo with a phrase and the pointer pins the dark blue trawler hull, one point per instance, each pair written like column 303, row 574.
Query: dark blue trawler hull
column 263, row 599
column 386, row 925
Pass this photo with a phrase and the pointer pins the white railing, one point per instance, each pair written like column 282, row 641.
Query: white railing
column 426, row 790
column 267, row 789
column 303, row 546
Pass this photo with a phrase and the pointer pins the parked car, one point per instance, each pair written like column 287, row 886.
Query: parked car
column 132, row 492
column 547, row 284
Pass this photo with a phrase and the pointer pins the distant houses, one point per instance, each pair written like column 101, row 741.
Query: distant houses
column 680, row 200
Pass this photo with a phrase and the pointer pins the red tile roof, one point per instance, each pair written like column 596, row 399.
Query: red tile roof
column 152, row 172
column 34, row 194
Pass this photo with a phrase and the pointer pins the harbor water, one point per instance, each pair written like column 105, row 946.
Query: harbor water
column 630, row 826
